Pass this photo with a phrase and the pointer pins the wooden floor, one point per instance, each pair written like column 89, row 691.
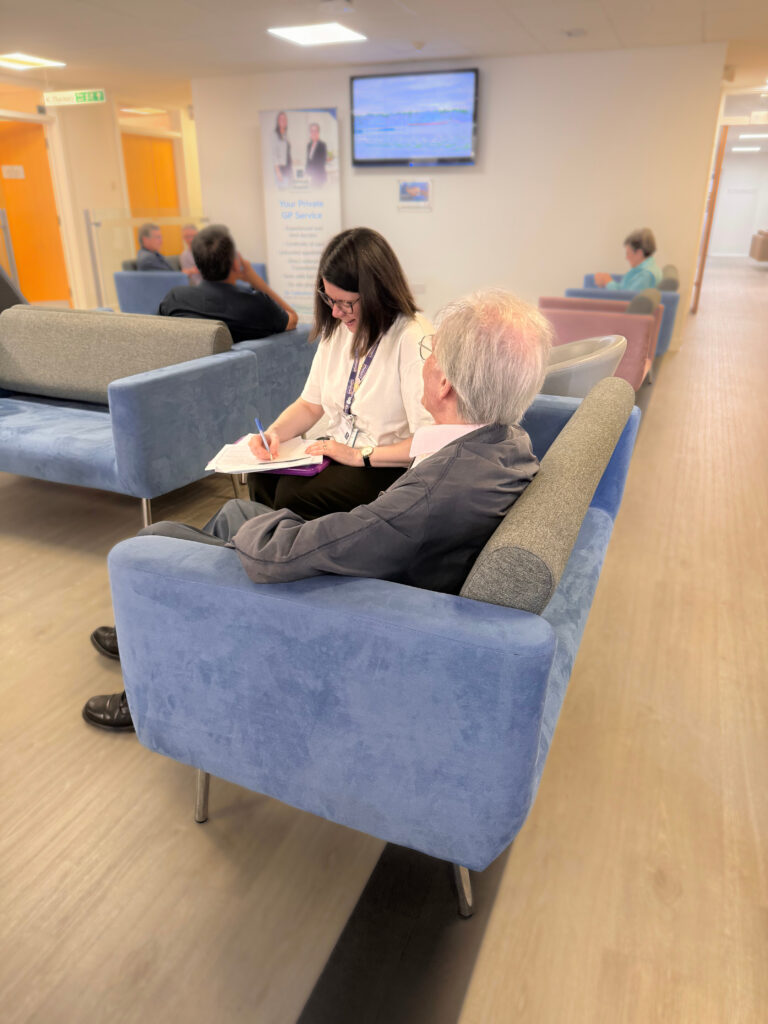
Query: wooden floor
column 636, row 892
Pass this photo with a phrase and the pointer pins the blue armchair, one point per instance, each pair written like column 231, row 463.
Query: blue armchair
column 422, row 718
column 143, row 291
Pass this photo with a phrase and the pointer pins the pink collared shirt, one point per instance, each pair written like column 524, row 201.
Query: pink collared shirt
column 428, row 440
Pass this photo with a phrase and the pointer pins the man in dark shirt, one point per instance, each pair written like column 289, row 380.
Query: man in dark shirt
column 149, row 256
column 247, row 314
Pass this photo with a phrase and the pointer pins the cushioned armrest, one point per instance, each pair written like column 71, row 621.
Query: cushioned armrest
column 284, row 361
column 410, row 715
column 168, row 423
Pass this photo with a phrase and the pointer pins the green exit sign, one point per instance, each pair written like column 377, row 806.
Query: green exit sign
column 90, row 96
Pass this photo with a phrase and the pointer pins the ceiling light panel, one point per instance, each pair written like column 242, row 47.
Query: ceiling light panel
column 317, row 35
column 24, row 62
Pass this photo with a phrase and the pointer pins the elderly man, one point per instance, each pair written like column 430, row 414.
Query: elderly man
column 253, row 313
column 482, row 369
column 149, row 256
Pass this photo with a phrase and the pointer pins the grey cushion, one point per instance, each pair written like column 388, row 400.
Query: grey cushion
column 521, row 565
column 670, row 278
column 129, row 265
column 645, row 301
column 75, row 354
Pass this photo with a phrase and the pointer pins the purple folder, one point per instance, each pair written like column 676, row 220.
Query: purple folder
column 302, row 470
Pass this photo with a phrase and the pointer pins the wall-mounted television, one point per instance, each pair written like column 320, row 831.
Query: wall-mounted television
column 416, row 119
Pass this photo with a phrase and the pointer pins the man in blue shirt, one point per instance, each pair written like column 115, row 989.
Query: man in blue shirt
column 149, row 256
column 644, row 271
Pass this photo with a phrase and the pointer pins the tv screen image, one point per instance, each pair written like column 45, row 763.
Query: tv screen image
column 423, row 118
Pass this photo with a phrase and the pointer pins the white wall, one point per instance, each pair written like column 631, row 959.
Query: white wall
column 574, row 151
column 742, row 202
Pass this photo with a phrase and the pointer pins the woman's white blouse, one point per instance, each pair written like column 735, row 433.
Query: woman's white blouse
column 387, row 406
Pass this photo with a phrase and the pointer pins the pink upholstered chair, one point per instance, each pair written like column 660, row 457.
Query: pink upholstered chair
column 575, row 319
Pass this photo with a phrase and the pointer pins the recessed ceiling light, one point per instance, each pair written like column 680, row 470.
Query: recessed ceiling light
column 142, row 110
column 751, row 135
column 23, row 62
column 317, row 35
column 745, row 149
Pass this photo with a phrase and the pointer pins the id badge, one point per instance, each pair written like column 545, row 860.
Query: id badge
column 349, row 430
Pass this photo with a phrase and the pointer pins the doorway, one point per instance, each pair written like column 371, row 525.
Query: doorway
column 150, row 171
column 26, row 195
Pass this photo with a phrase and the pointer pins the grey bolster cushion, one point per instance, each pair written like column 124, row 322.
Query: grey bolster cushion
column 645, row 301
column 76, row 354
column 521, row 565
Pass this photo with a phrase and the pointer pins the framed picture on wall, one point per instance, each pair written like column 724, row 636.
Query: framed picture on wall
column 414, row 193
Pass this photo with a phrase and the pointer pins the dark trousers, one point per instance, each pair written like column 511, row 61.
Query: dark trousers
column 337, row 489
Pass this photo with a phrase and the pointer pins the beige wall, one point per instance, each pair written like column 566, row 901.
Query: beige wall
column 574, row 151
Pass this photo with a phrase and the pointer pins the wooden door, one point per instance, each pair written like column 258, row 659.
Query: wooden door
column 150, row 171
column 27, row 195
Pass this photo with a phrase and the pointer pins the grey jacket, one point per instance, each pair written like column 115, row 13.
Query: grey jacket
column 426, row 530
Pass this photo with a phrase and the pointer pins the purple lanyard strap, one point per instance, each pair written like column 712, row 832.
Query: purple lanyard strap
column 356, row 380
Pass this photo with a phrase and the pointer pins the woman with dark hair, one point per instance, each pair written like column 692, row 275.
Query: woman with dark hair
column 365, row 379
column 281, row 149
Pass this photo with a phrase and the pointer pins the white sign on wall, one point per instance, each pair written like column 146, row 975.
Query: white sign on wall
column 73, row 98
column 302, row 204
column 13, row 171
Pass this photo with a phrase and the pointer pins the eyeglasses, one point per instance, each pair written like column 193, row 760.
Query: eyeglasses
column 426, row 347
column 344, row 305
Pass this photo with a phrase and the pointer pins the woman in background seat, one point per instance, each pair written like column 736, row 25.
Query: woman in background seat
column 365, row 378
column 644, row 271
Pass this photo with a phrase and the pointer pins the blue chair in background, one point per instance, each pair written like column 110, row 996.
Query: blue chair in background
column 143, row 291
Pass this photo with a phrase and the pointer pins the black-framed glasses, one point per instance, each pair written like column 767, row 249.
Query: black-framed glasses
column 426, row 347
column 345, row 305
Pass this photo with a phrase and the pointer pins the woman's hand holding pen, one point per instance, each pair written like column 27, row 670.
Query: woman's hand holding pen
column 257, row 445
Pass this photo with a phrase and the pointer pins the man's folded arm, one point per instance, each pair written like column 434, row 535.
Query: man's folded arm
column 377, row 540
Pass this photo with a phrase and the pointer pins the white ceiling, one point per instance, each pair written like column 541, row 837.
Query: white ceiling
column 149, row 49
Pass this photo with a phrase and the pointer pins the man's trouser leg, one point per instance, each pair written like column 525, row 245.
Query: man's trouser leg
column 218, row 530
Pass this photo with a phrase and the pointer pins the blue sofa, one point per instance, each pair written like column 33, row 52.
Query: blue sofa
column 422, row 718
column 133, row 404
column 670, row 300
column 142, row 291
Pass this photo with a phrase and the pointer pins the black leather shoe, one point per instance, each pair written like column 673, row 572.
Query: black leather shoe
column 104, row 639
column 109, row 711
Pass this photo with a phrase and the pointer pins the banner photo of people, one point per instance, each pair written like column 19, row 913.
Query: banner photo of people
column 302, row 200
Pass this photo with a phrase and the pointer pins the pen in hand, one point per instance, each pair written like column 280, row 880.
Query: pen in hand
column 262, row 436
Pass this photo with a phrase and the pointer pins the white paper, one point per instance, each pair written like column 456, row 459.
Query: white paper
column 238, row 457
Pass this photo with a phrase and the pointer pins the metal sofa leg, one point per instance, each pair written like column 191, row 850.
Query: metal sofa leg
column 201, row 797
column 146, row 511
column 463, row 890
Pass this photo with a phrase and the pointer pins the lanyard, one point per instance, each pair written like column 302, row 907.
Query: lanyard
column 356, row 379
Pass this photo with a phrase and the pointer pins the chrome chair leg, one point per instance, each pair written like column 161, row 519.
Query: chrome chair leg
column 244, row 479
column 201, row 797
column 146, row 511
column 463, row 890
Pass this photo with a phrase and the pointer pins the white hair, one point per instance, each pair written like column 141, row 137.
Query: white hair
column 493, row 348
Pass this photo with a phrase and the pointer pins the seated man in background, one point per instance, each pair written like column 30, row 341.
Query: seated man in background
column 644, row 271
column 247, row 314
column 149, row 256
column 186, row 259
column 482, row 369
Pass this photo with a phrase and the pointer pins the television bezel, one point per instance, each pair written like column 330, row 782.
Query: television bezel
column 416, row 162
